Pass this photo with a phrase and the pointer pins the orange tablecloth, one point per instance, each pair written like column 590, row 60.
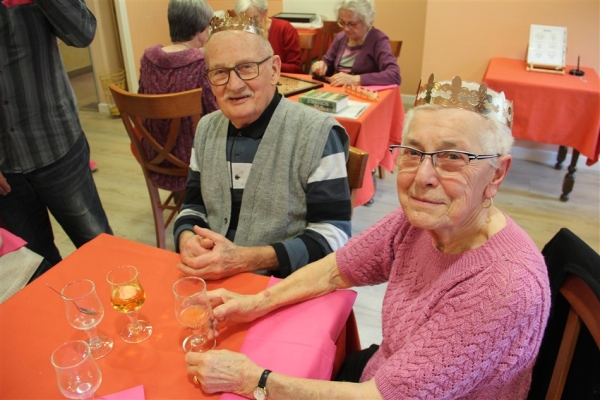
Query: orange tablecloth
column 551, row 108
column 33, row 324
column 374, row 131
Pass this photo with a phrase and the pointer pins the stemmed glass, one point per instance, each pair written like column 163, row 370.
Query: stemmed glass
column 193, row 310
column 77, row 373
column 128, row 296
column 84, row 312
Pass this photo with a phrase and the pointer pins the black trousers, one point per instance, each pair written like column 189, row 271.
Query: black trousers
column 354, row 364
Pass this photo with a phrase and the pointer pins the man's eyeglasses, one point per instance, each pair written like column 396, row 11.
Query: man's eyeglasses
column 245, row 71
column 448, row 161
column 349, row 24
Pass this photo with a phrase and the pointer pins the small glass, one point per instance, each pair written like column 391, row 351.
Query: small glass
column 84, row 312
column 193, row 310
column 77, row 373
column 127, row 296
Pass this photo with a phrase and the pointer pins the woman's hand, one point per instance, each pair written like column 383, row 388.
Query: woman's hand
column 342, row 78
column 319, row 68
column 233, row 308
column 224, row 371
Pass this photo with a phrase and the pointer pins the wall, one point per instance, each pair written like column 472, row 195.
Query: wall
column 74, row 59
column 105, row 50
column 461, row 36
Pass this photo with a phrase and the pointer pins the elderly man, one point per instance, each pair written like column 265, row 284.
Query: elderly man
column 267, row 188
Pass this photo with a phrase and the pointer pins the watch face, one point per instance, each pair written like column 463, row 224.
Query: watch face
column 260, row 393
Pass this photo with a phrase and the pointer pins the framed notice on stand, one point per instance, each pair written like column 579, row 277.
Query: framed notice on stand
column 547, row 49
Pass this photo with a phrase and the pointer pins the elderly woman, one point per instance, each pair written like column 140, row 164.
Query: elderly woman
column 175, row 68
column 281, row 34
column 468, row 296
column 361, row 54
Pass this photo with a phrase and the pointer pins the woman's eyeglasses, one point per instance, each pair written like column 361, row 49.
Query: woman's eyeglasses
column 448, row 161
column 349, row 24
column 245, row 71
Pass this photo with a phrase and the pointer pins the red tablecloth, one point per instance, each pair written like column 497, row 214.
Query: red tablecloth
column 551, row 108
column 33, row 324
column 374, row 131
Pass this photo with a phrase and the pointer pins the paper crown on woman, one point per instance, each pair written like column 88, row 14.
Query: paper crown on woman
column 467, row 96
column 239, row 23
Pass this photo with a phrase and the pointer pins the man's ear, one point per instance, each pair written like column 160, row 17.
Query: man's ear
column 499, row 174
column 276, row 70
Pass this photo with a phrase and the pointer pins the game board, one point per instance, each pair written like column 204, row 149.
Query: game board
column 289, row 86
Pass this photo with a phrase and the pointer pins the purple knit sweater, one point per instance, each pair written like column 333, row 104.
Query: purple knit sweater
column 161, row 73
column 463, row 326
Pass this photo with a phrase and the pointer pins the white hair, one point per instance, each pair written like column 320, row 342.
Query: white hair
column 494, row 136
column 243, row 5
column 363, row 9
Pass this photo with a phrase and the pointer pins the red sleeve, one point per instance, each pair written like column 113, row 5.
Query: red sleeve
column 286, row 44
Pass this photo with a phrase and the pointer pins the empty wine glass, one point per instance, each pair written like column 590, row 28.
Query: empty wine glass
column 193, row 310
column 127, row 296
column 84, row 312
column 77, row 373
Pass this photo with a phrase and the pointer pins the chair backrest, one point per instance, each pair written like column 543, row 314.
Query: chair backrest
column 173, row 106
column 396, row 46
column 328, row 32
column 568, row 364
column 355, row 168
column 584, row 308
column 307, row 43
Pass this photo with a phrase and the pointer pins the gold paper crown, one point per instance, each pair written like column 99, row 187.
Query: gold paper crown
column 468, row 96
column 239, row 23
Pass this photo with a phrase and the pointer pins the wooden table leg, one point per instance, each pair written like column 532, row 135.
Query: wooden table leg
column 569, row 179
column 560, row 157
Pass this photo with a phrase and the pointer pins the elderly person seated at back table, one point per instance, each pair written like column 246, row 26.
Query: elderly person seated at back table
column 267, row 188
column 281, row 34
column 468, row 295
column 178, row 67
column 361, row 54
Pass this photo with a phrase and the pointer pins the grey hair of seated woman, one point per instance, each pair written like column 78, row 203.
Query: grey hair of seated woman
column 187, row 18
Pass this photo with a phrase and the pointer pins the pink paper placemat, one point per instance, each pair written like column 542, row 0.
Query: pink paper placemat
column 135, row 393
column 299, row 340
column 10, row 242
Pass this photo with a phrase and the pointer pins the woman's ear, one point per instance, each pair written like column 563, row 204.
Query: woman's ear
column 499, row 174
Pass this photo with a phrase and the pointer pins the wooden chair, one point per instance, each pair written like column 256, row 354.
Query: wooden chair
column 355, row 168
column 568, row 364
column 327, row 33
column 307, row 43
column 174, row 106
column 396, row 46
column 584, row 308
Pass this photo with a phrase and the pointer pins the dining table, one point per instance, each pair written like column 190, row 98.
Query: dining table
column 560, row 109
column 374, row 130
column 308, row 339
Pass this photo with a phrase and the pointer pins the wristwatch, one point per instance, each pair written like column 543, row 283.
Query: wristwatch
column 260, row 391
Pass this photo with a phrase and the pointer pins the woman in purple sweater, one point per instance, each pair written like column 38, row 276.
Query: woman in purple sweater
column 176, row 68
column 468, row 295
column 361, row 54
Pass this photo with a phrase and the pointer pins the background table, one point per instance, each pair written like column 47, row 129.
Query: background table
column 552, row 108
column 375, row 130
column 33, row 324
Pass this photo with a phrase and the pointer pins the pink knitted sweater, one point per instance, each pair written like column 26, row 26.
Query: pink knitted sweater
column 463, row 326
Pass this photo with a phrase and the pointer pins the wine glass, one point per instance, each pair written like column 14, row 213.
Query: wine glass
column 193, row 310
column 77, row 373
column 127, row 296
column 84, row 312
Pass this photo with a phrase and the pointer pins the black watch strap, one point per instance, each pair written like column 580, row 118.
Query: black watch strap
column 262, row 383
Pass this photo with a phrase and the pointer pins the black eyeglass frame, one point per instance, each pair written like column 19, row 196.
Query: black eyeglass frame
column 258, row 63
column 470, row 156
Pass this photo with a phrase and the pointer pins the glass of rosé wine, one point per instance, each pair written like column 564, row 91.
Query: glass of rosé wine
column 193, row 310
